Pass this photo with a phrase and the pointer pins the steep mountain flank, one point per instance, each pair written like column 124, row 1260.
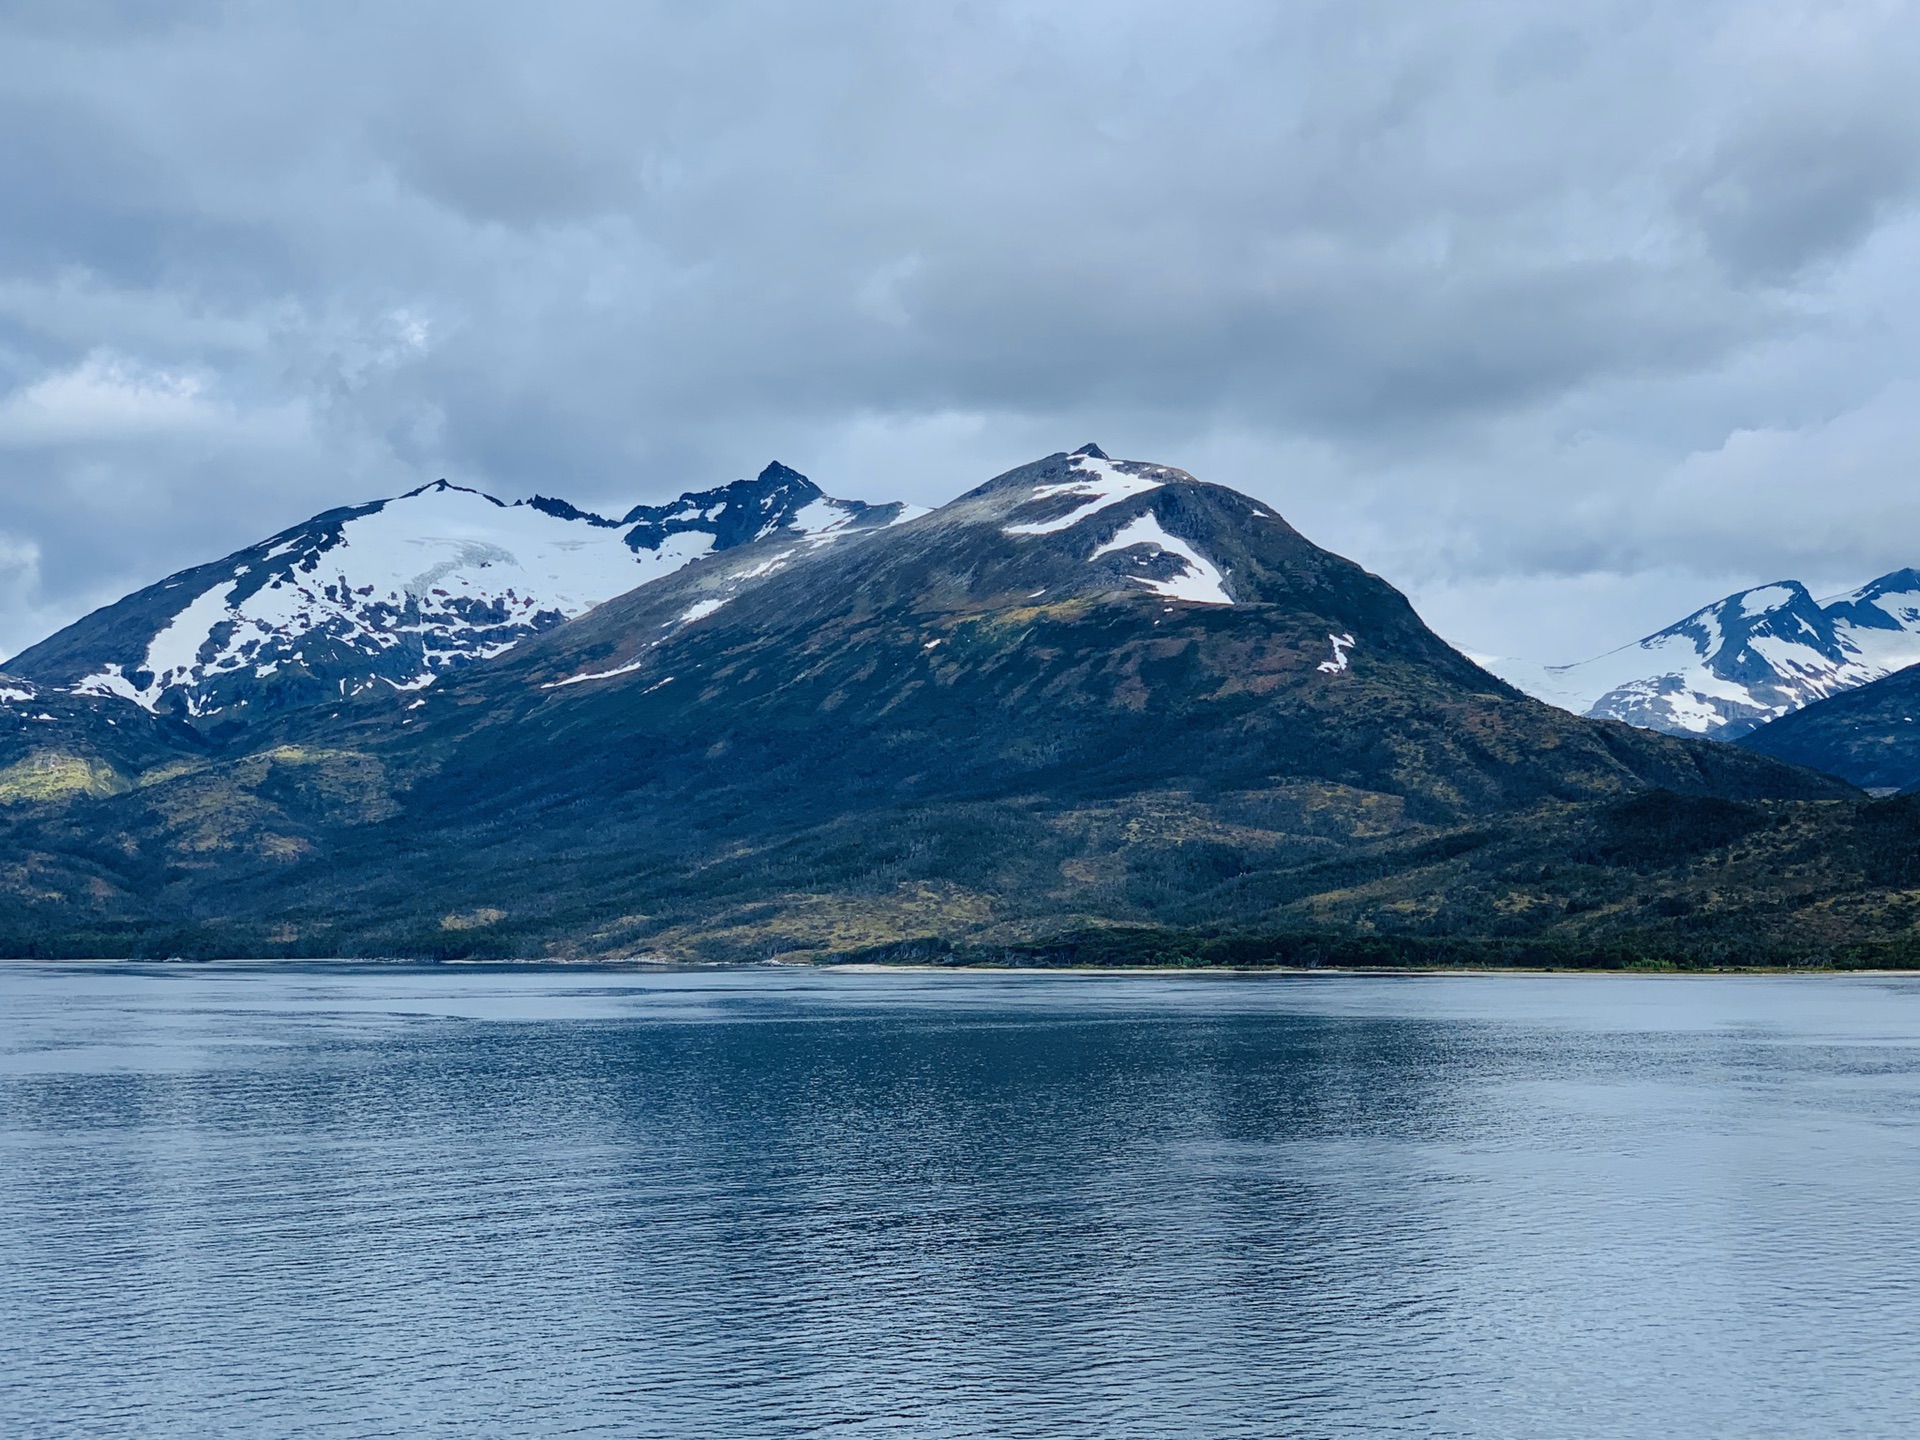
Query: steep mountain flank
column 1869, row 736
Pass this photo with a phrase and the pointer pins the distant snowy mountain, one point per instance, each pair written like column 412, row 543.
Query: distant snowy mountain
column 396, row 592
column 1733, row 666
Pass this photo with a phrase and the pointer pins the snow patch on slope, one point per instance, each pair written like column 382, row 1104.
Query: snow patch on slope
column 1341, row 645
column 1200, row 582
column 1766, row 599
column 823, row 516
column 435, row 578
column 581, row 679
column 1101, row 483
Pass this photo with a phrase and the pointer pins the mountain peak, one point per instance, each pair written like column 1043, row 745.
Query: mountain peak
column 1905, row 580
column 778, row 474
column 780, row 498
column 1892, row 602
column 399, row 593
column 1746, row 659
column 1094, row 451
column 1774, row 596
column 444, row 486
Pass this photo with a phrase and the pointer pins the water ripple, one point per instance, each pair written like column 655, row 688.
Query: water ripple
column 366, row 1202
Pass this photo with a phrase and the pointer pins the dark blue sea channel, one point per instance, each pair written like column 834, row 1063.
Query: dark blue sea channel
column 263, row 1200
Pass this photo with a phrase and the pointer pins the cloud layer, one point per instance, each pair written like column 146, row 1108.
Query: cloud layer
column 1563, row 320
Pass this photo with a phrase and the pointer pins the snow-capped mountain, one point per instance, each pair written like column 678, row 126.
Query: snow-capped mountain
column 399, row 591
column 1738, row 663
column 1088, row 697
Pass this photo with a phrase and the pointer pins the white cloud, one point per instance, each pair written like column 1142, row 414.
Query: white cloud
column 1541, row 315
column 24, row 615
column 105, row 398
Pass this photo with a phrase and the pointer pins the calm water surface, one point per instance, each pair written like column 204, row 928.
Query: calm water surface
column 276, row 1200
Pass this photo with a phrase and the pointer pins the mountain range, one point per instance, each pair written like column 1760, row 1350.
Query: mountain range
column 1743, row 661
column 1092, row 709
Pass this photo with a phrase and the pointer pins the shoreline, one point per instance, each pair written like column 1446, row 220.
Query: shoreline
column 1492, row 971
column 871, row 967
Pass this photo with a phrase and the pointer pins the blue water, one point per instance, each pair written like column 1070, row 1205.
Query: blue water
column 279, row 1200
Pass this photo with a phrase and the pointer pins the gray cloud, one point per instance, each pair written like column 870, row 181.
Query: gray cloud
column 1521, row 311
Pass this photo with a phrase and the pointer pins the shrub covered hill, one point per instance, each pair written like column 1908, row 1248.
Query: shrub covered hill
column 1870, row 736
column 1092, row 710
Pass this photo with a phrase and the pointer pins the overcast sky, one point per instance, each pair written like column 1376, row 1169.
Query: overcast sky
column 1564, row 318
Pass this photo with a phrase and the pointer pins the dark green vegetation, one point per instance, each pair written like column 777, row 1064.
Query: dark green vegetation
column 1870, row 736
column 944, row 740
